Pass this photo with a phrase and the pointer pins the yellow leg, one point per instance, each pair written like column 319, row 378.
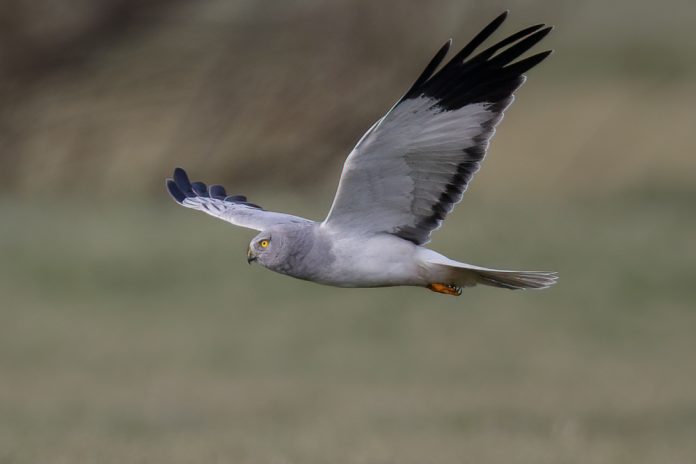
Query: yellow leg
column 446, row 289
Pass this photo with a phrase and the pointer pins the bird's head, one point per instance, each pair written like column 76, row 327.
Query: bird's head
column 269, row 248
column 281, row 247
column 261, row 248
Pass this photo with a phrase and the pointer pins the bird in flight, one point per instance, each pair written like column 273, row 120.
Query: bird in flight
column 399, row 183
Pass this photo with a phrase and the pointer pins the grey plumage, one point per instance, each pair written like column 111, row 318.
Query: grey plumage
column 401, row 180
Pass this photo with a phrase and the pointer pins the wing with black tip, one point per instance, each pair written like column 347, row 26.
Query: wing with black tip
column 412, row 167
column 214, row 200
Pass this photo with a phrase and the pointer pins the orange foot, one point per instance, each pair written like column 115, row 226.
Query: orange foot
column 446, row 289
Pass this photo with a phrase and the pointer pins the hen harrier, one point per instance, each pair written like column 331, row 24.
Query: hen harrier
column 400, row 181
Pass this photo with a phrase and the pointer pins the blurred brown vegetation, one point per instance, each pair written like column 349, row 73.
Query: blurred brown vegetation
column 109, row 95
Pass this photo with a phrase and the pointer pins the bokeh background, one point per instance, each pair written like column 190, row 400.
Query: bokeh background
column 132, row 330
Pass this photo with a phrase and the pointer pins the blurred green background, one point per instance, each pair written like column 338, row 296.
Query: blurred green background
column 132, row 330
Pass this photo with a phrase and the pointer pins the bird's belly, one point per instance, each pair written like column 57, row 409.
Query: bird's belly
column 380, row 261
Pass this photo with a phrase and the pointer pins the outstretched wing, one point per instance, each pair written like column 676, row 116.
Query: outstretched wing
column 214, row 201
column 413, row 166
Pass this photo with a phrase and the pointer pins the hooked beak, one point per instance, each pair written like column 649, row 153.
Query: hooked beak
column 251, row 257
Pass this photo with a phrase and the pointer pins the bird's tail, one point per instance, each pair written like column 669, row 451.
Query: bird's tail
column 514, row 280
column 456, row 274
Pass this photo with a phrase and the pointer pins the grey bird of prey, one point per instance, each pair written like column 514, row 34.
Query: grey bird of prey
column 399, row 183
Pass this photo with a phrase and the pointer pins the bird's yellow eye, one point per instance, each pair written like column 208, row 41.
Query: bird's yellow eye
column 264, row 243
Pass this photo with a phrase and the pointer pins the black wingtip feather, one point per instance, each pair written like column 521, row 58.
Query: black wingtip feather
column 430, row 69
column 182, row 181
column 481, row 37
column 217, row 191
column 510, row 40
column 200, row 189
column 519, row 48
column 174, row 191
column 522, row 66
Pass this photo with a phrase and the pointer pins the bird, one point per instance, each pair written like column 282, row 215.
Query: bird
column 398, row 184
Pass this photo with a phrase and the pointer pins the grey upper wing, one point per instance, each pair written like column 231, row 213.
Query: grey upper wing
column 410, row 169
column 215, row 201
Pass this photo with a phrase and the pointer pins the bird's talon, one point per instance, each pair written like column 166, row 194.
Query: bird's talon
column 446, row 289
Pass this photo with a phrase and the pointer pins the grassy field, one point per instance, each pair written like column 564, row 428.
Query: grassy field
column 140, row 335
